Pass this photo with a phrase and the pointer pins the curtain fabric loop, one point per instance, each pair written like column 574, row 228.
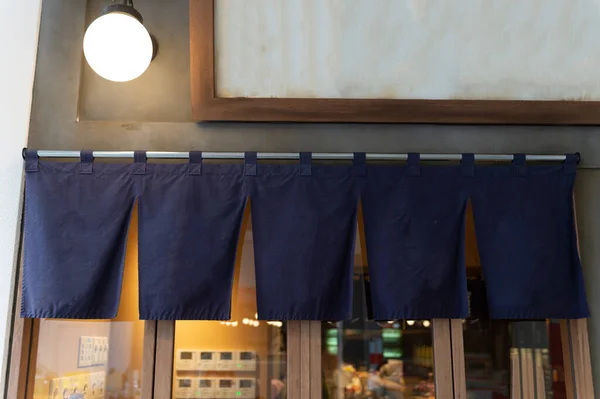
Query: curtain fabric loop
column 140, row 159
column 468, row 165
column 360, row 163
column 87, row 159
column 570, row 164
column 413, row 161
column 305, row 164
column 31, row 160
column 250, row 160
column 195, row 163
column 518, row 165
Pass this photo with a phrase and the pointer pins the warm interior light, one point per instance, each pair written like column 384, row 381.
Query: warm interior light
column 410, row 322
column 117, row 46
column 426, row 323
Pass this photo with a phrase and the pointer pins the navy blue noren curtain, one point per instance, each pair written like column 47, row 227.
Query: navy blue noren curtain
column 189, row 225
column 303, row 221
column 414, row 226
column 75, row 232
column 525, row 226
column 304, row 217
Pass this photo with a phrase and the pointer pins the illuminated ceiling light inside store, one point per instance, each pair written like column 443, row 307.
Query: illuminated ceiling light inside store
column 426, row 323
column 410, row 322
column 116, row 45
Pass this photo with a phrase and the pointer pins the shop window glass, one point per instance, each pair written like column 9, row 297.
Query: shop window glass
column 239, row 358
column 508, row 359
column 363, row 358
column 94, row 359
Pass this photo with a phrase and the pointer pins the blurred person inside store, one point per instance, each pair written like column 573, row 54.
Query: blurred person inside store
column 384, row 383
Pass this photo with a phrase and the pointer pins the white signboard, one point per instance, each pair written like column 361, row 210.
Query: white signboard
column 408, row 49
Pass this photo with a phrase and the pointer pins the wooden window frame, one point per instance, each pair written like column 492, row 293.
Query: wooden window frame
column 207, row 106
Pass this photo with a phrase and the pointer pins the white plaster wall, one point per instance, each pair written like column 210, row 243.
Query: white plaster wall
column 419, row 49
column 19, row 21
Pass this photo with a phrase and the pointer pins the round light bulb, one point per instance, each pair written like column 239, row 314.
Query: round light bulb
column 410, row 322
column 118, row 47
column 426, row 323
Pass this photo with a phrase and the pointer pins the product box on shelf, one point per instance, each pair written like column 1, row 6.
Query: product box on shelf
column 55, row 391
column 226, row 388
column 206, row 388
column 184, row 388
column 97, row 385
column 225, row 361
column 207, row 360
column 246, row 388
column 187, row 360
column 246, row 361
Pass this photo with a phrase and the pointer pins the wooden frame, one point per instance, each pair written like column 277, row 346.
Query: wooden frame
column 295, row 358
column 206, row 106
column 442, row 359
column 148, row 367
column 165, row 353
column 458, row 359
column 582, row 363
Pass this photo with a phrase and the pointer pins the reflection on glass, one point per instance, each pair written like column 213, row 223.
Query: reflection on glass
column 94, row 359
column 368, row 359
column 510, row 359
column 240, row 358
column 507, row 359
column 88, row 359
column 378, row 360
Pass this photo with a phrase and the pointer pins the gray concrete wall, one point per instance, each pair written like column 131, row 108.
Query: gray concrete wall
column 74, row 109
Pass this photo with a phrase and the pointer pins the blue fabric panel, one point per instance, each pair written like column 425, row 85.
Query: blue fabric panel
column 527, row 241
column 303, row 220
column 75, row 229
column 414, row 219
column 190, row 218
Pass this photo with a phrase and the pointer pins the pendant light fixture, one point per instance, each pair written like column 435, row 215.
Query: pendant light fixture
column 116, row 45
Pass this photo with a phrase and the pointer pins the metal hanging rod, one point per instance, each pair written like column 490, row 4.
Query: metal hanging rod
column 296, row 155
